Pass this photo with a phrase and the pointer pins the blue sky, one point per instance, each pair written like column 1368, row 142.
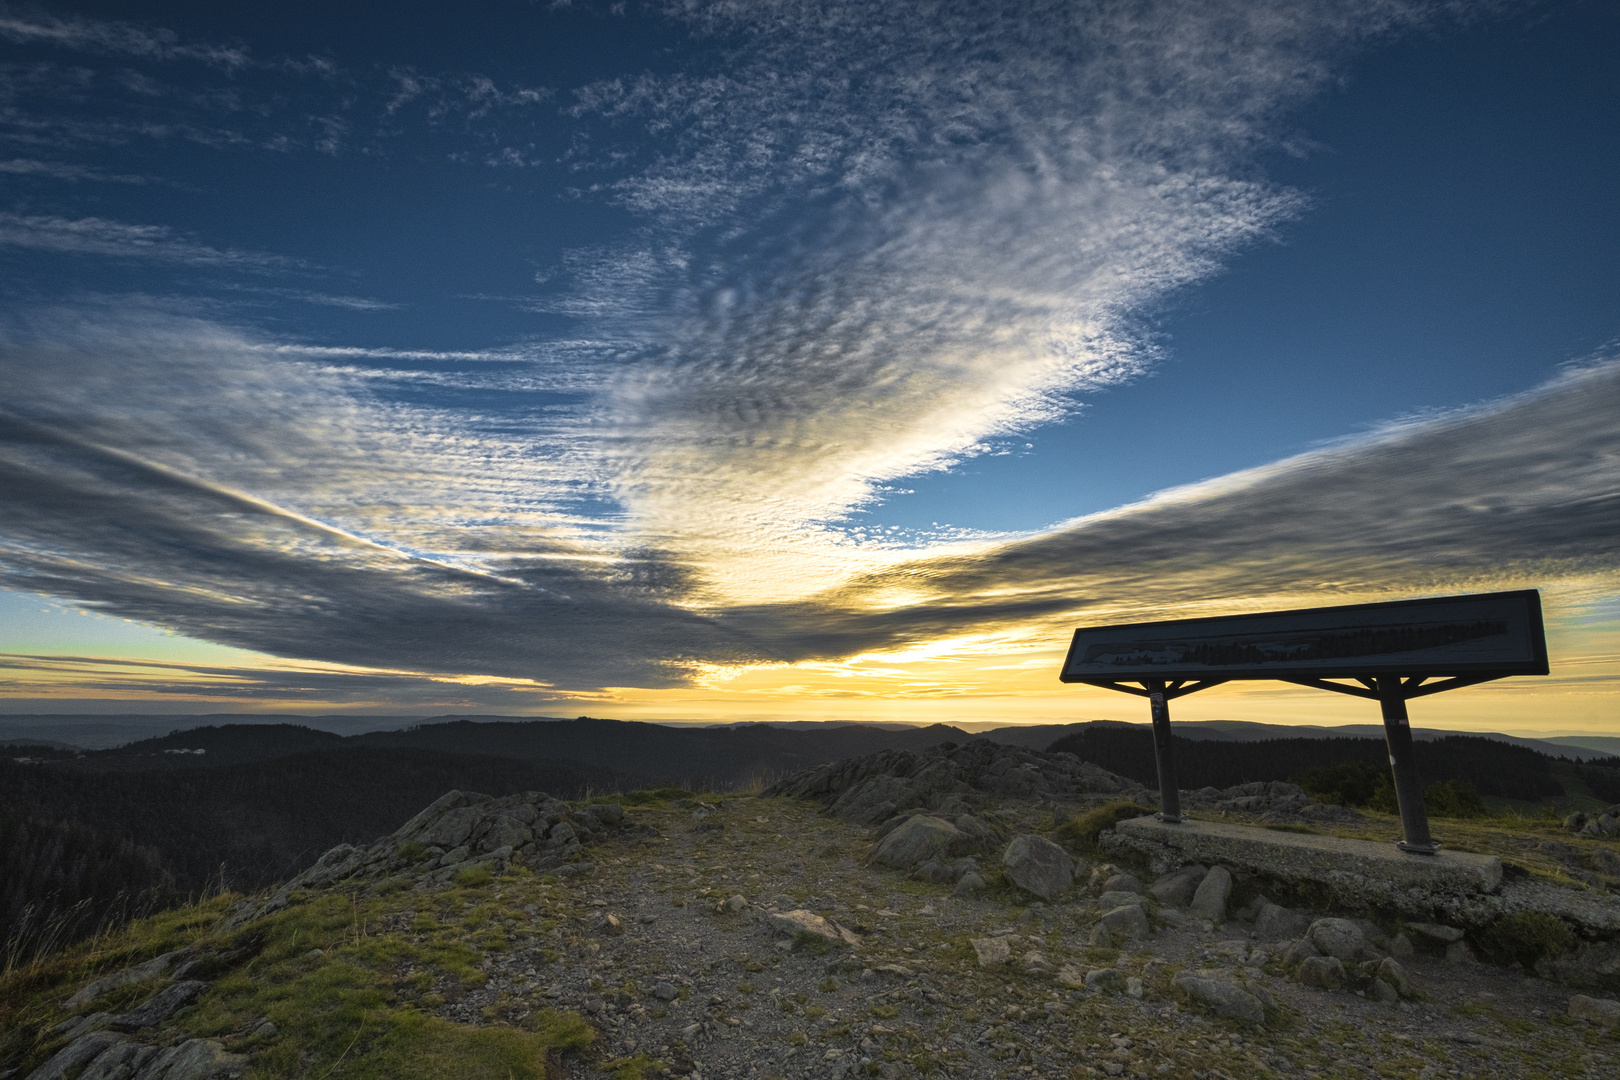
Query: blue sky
column 733, row 359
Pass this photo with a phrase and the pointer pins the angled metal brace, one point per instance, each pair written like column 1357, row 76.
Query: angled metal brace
column 1172, row 690
column 1412, row 690
column 1338, row 688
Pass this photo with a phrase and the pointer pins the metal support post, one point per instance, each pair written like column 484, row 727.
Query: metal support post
column 1408, row 791
column 1163, row 753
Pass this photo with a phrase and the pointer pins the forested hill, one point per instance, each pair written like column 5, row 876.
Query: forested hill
column 227, row 744
column 85, row 841
column 1492, row 767
column 691, row 756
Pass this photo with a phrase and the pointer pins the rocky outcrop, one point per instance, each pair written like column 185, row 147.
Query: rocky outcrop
column 461, row 830
column 1603, row 823
column 948, row 780
column 106, row 1054
column 150, row 969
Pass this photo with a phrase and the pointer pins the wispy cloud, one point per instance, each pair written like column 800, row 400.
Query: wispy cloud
column 868, row 249
column 878, row 243
column 98, row 236
column 1520, row 492
column 46, row 676
column 57, row 170
column 320, row 299
column 117, row 38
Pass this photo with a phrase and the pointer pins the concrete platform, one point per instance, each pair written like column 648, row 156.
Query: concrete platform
column 1356, row 871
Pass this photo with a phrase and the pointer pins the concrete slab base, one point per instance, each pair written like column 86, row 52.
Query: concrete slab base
column 1356, row 872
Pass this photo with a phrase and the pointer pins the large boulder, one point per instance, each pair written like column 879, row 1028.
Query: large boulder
column 1209, row 901
column 1322, row 972
column 1038, row 866
column 1390, row 972
column 917, row 840
column 1176, row 888
column 1125, row 923
column 1341, row 939
column 1273, row 922
column 1221, row 997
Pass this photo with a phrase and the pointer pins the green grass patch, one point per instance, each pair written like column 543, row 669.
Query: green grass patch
column 1527, row 936
column 1080, row 834
column 812, row 944
column 649, row 796
column 31, row 994
column 474, row 877
column 405, row 1043
column 344, row 995
column 640, row 1067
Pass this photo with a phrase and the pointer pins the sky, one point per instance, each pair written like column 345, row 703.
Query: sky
column 794, row 360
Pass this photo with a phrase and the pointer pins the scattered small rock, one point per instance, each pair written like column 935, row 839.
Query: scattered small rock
column 992, row 952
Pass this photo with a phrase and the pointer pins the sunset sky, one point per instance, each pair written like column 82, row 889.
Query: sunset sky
column 794, row 360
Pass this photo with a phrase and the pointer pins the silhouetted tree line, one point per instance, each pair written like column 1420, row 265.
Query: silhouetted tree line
column 85, row 844
column 1492, row 767
column 1602, row 778
column 59, row 880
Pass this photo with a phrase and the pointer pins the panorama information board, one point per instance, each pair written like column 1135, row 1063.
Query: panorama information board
column 1487, row 633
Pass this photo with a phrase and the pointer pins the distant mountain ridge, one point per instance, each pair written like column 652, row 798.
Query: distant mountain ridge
column 107, row 731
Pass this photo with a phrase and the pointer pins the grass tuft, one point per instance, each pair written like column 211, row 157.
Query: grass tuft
column 1527, row 936
column 474, row 877
column 1080, row 834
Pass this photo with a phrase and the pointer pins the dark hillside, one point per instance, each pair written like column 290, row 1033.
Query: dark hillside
column 1494, row 768
column 70, row 835
column 692, row 756
column 227, row 744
